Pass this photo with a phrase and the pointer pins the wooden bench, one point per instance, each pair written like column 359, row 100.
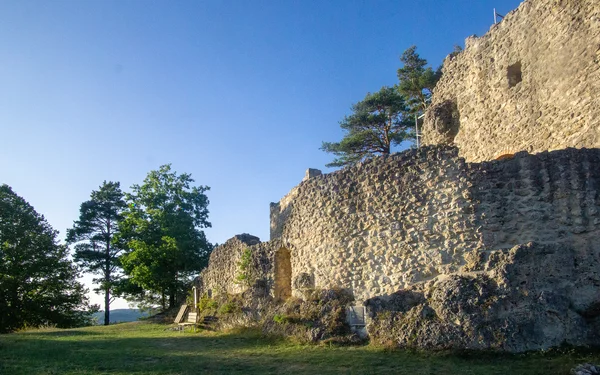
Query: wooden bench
column 192, row 320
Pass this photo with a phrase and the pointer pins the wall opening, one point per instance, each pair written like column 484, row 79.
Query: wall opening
column 283, row 275
column 514, row 74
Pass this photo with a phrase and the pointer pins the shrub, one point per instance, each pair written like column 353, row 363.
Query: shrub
column 243, row 277
column 206, row 304
column 228, row 308
column 280, row 319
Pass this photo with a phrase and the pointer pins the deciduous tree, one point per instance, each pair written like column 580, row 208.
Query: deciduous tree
column 94, row 235
column 38, row 283
column 162, row 232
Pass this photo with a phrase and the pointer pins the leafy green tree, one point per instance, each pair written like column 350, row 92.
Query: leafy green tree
column 377, row 123
column 38, row 283
column 94, row 235
column 162, row 232
column 416, row 80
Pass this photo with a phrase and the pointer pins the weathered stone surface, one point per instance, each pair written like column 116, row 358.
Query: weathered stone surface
column 553, row 46
column 529, row 297
column 501, row 254
column 445, row 253
column 221, row 276
column 586, row 369
column 443, row 123
column 311, row 173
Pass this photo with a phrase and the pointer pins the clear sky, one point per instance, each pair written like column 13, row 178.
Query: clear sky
column 238, row 93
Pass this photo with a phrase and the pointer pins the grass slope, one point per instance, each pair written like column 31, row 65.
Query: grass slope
column 144, row 348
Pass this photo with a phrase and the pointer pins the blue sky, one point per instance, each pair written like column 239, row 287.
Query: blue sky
column 238, row 93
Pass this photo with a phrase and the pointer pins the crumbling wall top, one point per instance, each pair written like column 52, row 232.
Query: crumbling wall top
column 529, row 84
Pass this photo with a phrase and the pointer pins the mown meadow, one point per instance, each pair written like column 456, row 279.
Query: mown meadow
column 147, row 348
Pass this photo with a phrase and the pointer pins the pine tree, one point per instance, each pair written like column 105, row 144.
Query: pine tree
column 416, row 80
column 377, row 123
column 94, row 235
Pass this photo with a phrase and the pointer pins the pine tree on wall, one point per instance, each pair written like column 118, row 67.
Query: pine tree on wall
column 377, row 123
column 416, row 81
column 385, row 118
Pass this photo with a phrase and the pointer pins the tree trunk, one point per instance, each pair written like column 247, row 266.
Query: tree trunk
column 107, row 277
column 171, row 298
column 106, row 306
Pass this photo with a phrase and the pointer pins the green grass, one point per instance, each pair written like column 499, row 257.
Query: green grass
column 143, row 348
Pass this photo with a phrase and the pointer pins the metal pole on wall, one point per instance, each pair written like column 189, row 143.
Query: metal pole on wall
column 496, row 15
column 417, row 129
column 417, row 134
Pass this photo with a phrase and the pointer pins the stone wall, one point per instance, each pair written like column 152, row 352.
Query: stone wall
column 448, row 253
column 222, row 273
column 383, row 224
column 390, row 222
column 425, row 222
column 531, row 83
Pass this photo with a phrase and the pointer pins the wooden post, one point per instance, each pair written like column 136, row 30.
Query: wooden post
column 195, row 297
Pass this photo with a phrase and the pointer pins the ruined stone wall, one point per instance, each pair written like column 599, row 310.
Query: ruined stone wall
column 475, row 254
column 549, row 198
column 531, row 83
column 223, row 270
column 383, row 224
column 391, row 222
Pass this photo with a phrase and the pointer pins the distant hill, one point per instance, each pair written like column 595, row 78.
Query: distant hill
column 121, row 315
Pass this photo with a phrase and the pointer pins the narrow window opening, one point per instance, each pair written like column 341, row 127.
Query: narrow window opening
column 514, row 74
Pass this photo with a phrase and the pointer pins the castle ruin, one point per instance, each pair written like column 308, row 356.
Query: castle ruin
column 530, row 84
column 443, row 246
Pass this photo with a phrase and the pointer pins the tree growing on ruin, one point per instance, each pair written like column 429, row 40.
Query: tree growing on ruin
column 377, row 123
column 94, row 234
column 38, row 282
column 416, row 80
column 161, row 231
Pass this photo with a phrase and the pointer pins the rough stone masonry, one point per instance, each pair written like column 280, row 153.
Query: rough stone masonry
column 445, row 252
column 531, row 83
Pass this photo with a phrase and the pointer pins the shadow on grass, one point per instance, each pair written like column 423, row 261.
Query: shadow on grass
column 59, row 333
column 68, row 352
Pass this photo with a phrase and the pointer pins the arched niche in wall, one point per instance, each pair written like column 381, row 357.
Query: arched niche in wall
column 283, row 275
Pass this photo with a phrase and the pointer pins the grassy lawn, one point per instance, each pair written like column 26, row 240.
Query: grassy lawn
column 143, row 348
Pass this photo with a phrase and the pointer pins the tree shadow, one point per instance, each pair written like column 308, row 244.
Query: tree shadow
column 207, row 353
column 59, row 333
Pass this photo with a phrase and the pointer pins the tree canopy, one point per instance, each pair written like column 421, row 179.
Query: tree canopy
column 377, row 123
column 38, row 283
column 162, row 233
column 94, row 235
column 385, row 118
column 416, row 80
